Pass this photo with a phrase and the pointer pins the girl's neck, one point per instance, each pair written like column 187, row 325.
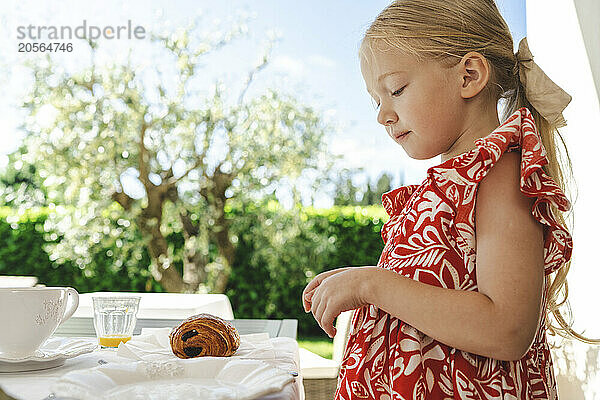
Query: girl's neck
column 477, row 125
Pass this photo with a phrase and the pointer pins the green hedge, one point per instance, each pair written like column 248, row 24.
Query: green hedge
column 278, row 252
column 21, row 253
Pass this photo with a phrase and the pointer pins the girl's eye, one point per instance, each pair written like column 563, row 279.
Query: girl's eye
column 397, row 92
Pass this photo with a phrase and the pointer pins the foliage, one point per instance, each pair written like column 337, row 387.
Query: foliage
column 286, row 250
column 20, row 185
column 348, row 194
column 23, row 239
column 277, row 251
column 184, row 154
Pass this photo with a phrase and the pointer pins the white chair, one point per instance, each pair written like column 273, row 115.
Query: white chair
column 7, row 281
column 156, row 310
column 274, row 327
column 159, row 310
column 164, row 305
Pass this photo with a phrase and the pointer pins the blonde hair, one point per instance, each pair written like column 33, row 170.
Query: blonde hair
column 444, row 31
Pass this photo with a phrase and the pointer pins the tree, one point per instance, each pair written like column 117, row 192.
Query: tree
column 346, row 193
column 372, row 197
column 20, row 184
column 110, row 127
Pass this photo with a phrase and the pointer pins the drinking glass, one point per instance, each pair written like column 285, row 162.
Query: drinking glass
column 115, row 318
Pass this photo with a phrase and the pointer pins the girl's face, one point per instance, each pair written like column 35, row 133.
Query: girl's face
column 423, row 98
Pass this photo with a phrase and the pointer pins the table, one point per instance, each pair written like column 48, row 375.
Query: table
column 35, row 385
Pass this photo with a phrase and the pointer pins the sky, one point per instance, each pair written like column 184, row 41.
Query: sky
column 315, row 59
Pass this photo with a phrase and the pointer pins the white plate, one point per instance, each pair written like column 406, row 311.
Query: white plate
column 53, row 353
column 210, row 378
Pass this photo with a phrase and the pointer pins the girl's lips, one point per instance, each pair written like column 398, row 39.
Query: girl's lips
column 402, row 135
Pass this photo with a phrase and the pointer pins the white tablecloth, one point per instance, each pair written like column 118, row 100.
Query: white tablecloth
column 35, row 385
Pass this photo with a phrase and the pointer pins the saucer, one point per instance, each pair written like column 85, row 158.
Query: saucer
column 53, row 353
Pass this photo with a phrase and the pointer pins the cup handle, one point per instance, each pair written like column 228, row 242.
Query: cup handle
column 70, row 309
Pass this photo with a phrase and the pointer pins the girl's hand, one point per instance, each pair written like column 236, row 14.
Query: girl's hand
column 312, row 285
column 336, row 292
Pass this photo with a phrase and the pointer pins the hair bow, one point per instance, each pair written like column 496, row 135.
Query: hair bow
column 543, row 94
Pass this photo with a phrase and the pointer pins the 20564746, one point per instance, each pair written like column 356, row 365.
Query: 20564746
column 28, row 47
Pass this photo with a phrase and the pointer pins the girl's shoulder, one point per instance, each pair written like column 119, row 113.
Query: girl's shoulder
column 518, row 134
column 504, row 175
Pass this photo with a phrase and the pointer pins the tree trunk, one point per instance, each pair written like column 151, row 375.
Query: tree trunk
column 162, row 268
column 221, row 228
column 227, row 252
column 194, row 260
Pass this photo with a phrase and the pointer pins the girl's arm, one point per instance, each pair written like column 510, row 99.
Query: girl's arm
column 499, row 321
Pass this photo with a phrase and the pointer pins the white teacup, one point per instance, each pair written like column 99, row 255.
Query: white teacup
column 29, row 316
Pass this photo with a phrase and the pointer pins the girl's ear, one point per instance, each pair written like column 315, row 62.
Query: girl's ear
column 474, row 71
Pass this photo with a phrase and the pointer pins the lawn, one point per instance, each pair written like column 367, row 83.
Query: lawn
column 318, row 345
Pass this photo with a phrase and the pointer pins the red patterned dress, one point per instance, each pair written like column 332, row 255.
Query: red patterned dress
column 430, row 237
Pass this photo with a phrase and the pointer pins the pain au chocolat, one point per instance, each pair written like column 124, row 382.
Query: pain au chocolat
column 204, row 335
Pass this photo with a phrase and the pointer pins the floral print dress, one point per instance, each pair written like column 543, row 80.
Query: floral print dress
column 430, row 237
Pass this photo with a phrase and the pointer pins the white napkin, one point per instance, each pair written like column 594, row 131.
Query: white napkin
column 153, row 345
column 214, row 378
column 57, row 347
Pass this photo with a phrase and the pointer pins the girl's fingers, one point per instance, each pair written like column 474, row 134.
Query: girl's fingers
column 314, row 283
column 318, row 309
column 321, row 315
column 307, row 301
column 317, row 318
column 310, row 288
column 307, row 298
column 311, row 285
column 325, row 312
column 317, row 280
column 327, row 322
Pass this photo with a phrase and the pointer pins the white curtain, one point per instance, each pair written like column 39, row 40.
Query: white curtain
column 558, row 33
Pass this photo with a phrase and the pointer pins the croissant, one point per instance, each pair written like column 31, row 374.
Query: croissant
column 204, row 335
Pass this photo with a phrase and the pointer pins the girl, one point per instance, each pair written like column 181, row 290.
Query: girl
column 450, row 311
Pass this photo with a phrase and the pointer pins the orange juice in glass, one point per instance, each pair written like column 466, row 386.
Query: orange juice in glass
column 112, row 341
column 115, row 318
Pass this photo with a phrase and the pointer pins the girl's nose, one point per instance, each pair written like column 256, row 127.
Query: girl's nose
column 386, row 116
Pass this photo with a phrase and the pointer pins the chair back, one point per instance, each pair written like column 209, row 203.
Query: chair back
column 8, row 281
column 342, row 326
column 84, row 326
